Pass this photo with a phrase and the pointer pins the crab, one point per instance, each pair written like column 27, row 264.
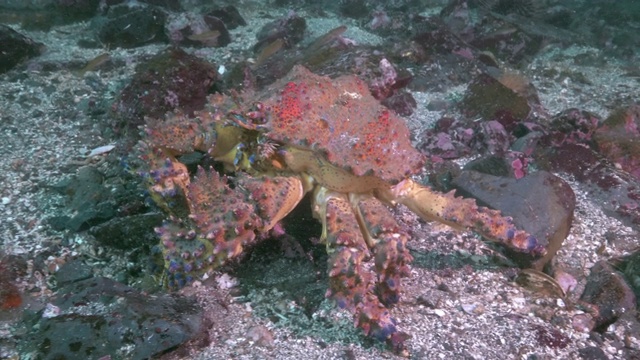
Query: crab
column 304, row 134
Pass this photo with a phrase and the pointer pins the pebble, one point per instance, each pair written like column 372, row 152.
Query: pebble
column 50, row 311
column 583, row 323
column 439, row 312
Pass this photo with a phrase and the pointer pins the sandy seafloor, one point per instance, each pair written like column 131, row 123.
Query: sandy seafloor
column 40, row 146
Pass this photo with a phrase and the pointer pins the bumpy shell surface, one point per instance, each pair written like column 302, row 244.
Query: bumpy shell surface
column 340, row 119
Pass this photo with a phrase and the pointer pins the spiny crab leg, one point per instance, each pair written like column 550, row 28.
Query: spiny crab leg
column 459, row 212
column 349, row 226
column 388, row 242
column 351, row 286
column 223, row 220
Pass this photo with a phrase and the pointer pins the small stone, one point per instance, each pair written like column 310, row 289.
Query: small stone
column 128, row 232
column 566, row 281
column 583, row 323
column 592, row 353
column 50, row 311
column 226, row 282
column 6, row 200
column 488, row 98
column 260, row 335
column 618, row 138
column 72, row 271
column 473, row 309
column 607, row 290
column 432, row 299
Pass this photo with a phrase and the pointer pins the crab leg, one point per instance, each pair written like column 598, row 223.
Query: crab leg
column 459, row 212
column 388, row 241
column 351, row 285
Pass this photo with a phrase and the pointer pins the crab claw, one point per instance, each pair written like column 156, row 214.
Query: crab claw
column 274, row 197
column 226, row 219
column 459, row 212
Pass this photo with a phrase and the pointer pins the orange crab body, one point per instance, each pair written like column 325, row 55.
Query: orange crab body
column 305, row 133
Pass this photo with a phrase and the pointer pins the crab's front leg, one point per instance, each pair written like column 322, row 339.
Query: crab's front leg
column 459, row 212
column 223, row 220
column 352, row 286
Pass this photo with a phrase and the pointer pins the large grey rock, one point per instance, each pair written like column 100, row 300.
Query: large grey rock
column 540, row 203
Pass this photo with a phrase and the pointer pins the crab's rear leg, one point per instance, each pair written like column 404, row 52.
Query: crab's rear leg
column 352, row 286
column 459, row 212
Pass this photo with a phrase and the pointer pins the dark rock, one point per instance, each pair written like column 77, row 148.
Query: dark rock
column 215, row 24
column 75, row 10
column 541, row 203
column 230, row 16
column 551, row 337
column 355, row 9
column 104, row 318
column 432, row 299
column 173, row 5
column 43, row 15
column 508, row 43
column 291, row 29
column 402, row 103
column 617, row 192
column 610, row 295
column 573, row 126
column 592, row 353
column 73, row 271
column 128, row 232
column 197, row 30
column 435, row 37
column 528, row 143
column 630, row 267
column 59, row 222
column 618, row 139
column 129, row 27
column 16, row 48
column 89, row 200
column 90, row 216
column 171, row 80
column 511, row 164
column 492, row 100
column 491, row 165
column 448, row 139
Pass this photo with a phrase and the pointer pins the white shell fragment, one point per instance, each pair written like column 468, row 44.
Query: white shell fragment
column 101, row 150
